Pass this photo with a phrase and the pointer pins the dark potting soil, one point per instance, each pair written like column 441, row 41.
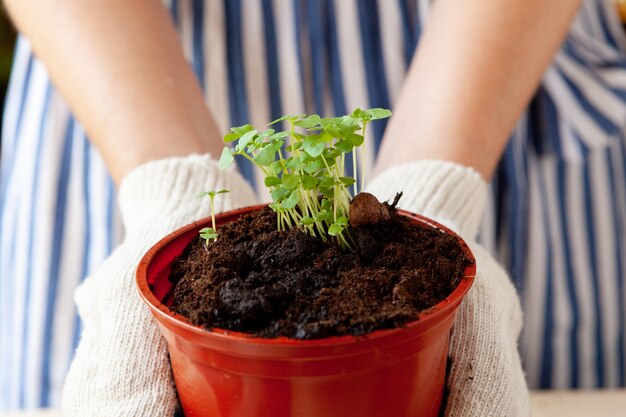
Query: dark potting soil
column 255, row 279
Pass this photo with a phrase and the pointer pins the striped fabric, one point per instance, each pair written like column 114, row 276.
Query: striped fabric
column 58, row 222
column 556, row 218
column 559, row 207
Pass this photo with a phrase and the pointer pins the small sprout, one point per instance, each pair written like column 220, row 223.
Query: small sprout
column 335, row 229
column 309, row 121
column 272, row 181
column 338, row 226
column 210, row 233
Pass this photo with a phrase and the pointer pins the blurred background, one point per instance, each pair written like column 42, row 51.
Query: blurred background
column 7, row 40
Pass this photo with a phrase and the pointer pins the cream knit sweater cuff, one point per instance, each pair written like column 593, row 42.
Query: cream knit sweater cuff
column 449, row 193
column 166, row 191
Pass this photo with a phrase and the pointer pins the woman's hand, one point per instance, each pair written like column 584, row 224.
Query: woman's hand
column 121, row 366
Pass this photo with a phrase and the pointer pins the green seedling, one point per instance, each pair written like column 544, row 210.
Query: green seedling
column 304, row 168
column 210, row 233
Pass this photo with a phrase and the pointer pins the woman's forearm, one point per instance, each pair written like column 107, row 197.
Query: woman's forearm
column 476, row 68
column 121, row 68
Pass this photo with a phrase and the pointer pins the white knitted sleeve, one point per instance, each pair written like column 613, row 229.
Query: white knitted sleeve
column 451, row 194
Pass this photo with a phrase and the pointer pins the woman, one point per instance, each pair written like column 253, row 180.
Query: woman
column 556, row 212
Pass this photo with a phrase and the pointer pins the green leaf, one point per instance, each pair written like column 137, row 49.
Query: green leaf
column 307, row 221
column 348, row 128
column 287, row 117
column 291, row 181
column 305, row 157
column 313, row 166
column 267, row 133
column 226, row 159
column 327, row 192
column 327, row 182
column 308, row 182
column 245, row 140
column 331, row 155
column 357, row 140
column 342, row 221
column 278, row 144
column 275, row 167
column 272, row 181
column 266, row 155
column 323, row 216
column 212, row 194
column 294, row 146
column 347, row 181
column 329, row 121
column 313, row 146
column 253, row 146
column 208, row 233
column 335, row 229
column 258, row 142
column 310, row 121
column 344, row 146
column 379, row 113
column 293, row 163
column 326, row 137
column 279, row 135
column 333, row 130
column 241, row 130
column 357, row 113
column 230, row 137
column 291, row 201
column 330, row 162
column 278, row 194
column 326, row 205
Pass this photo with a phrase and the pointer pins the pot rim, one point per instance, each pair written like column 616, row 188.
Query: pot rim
column 424, row 318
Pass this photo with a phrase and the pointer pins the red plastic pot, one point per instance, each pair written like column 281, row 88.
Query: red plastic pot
column 220, row 373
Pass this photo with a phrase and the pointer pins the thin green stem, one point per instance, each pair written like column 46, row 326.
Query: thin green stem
column 363, row 157
column 343, row 240
column 292, row 135
column 282, row 162
column 354, row 171
column 267, row 174
column 212, row 211
column 335, row 203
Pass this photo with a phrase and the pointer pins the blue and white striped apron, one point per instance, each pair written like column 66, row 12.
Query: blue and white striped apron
column 556, row 217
